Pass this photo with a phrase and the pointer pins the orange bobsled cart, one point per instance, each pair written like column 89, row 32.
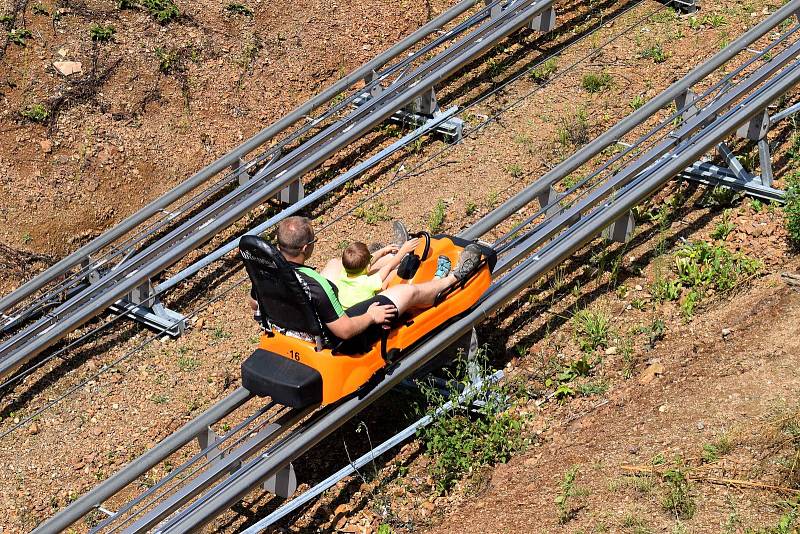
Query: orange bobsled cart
column 298, row 365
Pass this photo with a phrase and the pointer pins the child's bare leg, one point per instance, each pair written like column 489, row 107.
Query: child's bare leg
column 407, row 296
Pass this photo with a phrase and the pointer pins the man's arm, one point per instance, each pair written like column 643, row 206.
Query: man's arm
column 346, row 327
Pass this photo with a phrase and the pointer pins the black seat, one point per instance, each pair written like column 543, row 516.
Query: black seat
column 284, row 304
column 282, row 300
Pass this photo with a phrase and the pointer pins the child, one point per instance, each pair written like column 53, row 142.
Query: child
column 356, row 284
column 354, row 281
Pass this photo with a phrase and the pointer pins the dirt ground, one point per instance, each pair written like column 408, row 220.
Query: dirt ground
column 136, row 136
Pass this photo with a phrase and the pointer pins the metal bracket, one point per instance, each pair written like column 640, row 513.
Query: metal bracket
column 551, row 196
column 93, row 276
column 425, row 104
column 708, row 173
column 544, row 22
column 205, row 439
column 292, row 193
column 621, row 230
column 283, row 483
column 756, row 128
column 496, row 9
column 686, row 102
column 238, row 168
column 143, row 305
column 420, row 111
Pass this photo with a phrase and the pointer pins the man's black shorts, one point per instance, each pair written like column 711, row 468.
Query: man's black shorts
column 364, row 341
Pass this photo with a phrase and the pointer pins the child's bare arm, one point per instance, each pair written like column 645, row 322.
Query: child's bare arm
column 390, row 266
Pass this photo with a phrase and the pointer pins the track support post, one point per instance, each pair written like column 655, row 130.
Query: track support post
column 621, row 230
column 209, row 438
column 283, row 484
column 544, row 22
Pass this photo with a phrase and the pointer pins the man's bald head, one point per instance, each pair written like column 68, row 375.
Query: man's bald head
column 294, row 233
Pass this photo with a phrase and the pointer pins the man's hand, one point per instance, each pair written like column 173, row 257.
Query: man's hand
column 382, row 313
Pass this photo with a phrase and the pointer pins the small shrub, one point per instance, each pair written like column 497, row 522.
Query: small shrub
column 467, row 437
column 596, row 83
column 18, row 36
column 36, row 113
column 39, row 9
column 591, row 329
column 544, row 71
column 678, row 499
column 437, row 216
column 235, row 8
column 101, row 33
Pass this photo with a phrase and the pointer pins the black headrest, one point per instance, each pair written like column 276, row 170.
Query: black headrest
column 281, row 298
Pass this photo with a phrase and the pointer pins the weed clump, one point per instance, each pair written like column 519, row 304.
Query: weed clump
column 235, row 8
column 678, row 498
column 468, row 437
column 163, row 11
column 36, row 113
column 101, row 33
column 545, row 70
column 374, row 213
column 596, row 83
column 568, row 490
column 592, row 329
column 655, row 52
column 18, row 36
column 574, row 131
column 437, row 216
column 703, row 268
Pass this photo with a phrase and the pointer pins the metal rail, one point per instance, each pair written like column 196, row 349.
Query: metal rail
column 94, row 299
column 554, row 240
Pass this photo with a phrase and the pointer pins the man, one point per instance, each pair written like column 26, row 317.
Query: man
column 365, row 319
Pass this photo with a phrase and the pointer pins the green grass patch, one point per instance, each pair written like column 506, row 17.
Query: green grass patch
column 374, row 213
column 36, row 113
column 101, row 33
column 592, row 329
column 544, row 71
column 597, row 82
